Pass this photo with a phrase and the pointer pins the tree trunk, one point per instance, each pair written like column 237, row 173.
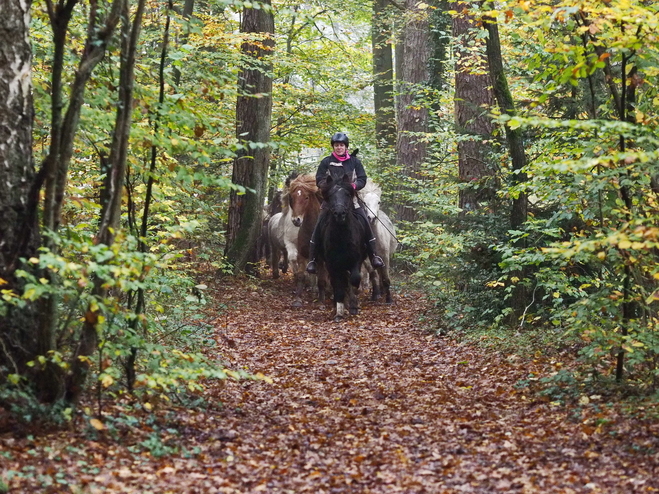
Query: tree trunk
column 253, row 116
column 473, row 99
column 518, row 213
column 383, row 73
column 19, row 231
column 188, row 9
column 412, row 116
column 111, row 220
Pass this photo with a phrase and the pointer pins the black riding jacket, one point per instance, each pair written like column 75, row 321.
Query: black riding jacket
column 353, row 167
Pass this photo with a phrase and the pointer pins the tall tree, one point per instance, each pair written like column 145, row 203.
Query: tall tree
column 518, row 212
column 473, row 99
column 412, row 114
column 18, row 196
column 383, row 73
column 111, row 217
column 31, row 328
column 253, row 116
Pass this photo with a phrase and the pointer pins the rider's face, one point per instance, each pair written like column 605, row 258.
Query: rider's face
column 339, row 148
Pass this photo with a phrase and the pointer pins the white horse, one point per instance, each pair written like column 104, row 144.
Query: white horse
column 277, row 245
column 283, row 233
column 385, row 240
column 370, row 196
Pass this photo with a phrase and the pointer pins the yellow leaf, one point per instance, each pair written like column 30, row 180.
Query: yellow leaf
column 97, row 424
column 148, row 406
column 624, row 244
column 107, row 380
column 34, row 260
column 3, row 282
column 263, row 377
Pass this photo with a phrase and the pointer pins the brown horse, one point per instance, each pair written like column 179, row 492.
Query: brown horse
column 304, row 200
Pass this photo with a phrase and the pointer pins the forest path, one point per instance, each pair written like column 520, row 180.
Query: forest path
column 374, row 404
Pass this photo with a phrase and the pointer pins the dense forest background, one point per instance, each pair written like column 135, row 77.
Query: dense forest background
column 515, row 143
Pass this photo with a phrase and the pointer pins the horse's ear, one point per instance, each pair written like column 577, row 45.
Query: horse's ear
column 346, row 179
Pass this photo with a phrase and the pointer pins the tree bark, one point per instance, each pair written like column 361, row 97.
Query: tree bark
column 514, row 138
column 253, row 117
column 19, row 231
column 383, row 73
column 412, row 115
column 110, row 221
column 473, row 99
column 518, row 212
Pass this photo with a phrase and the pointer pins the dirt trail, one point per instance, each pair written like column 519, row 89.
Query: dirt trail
column 374, row 405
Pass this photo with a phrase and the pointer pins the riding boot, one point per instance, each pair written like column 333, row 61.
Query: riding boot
column 311, row 266
column 376, row 260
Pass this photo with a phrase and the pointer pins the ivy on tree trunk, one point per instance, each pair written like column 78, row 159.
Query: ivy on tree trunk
column 253, row 116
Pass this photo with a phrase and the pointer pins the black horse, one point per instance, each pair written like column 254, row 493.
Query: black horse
column 343, row 243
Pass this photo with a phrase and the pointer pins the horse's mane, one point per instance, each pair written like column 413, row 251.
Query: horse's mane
column 327, row 186
column 306, row 182
column 285, row 204
column 371, row 187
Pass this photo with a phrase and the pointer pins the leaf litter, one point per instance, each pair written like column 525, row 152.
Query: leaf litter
column 374, row 404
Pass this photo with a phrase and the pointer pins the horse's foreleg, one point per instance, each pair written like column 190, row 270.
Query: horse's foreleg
column 274, row 261
column 386, row 284
column 339, row 286
column 298, row 275
column 353, row 301
column 375, row 284
column 299, row 286
column 356, row 276
column 322, row 283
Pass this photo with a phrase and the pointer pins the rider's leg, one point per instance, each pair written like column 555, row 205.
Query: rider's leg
column 376, row 260
column 315, row 240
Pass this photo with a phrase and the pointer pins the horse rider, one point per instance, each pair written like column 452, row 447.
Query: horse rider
column 353, row 167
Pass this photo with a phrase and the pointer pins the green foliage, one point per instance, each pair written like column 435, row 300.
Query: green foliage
column 168, row 339
column 591, row 243
column 587, row 254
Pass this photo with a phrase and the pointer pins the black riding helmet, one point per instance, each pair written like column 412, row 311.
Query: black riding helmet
column 340, row 137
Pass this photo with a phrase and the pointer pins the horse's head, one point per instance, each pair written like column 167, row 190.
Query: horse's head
column 370, row 196
column 371, row 205
column 338, row 195
column 302, row 197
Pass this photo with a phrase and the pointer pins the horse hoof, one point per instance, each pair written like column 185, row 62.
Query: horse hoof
column 338, row 319
column 297, row 303
column 354, row 312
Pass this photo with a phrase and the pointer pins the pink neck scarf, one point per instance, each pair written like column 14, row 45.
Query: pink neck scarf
column 341, row 158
